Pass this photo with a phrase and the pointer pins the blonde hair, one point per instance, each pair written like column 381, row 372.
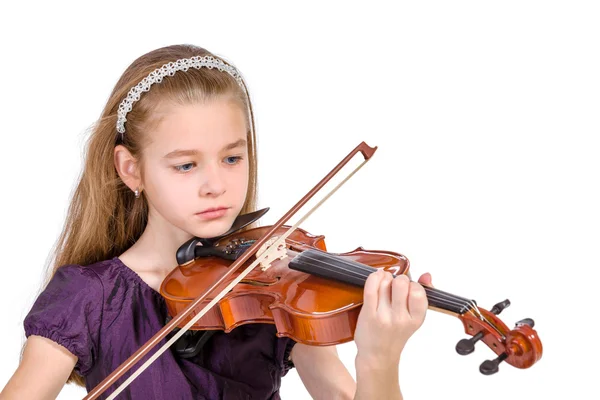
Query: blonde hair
column 104, row 219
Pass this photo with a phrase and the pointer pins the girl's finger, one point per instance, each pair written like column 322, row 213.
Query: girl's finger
column 385, row 292
column 400, row 293
column 417, row 301
column 425, row 279
column 370, row 295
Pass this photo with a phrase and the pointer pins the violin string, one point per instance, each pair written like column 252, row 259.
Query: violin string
column 434, row 294
column 442, row 295
column 444, row 298
column 431, row 292
column 356, row 265
column 464, row 302
column 353, row 265
column 475, row 311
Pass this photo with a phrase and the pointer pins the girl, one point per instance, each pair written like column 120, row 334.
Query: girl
column 174, row 156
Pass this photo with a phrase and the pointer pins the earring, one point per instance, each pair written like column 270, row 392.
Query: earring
column 137, row 194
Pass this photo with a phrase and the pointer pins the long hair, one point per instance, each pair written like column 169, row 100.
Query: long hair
column 104, row 219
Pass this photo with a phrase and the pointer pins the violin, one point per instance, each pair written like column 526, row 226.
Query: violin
column 314, row 297
column 283, row 275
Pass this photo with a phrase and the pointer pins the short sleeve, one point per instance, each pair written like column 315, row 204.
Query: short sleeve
column 284, row 347
column 68, row 312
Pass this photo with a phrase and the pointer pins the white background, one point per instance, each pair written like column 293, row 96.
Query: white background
column 486, row 119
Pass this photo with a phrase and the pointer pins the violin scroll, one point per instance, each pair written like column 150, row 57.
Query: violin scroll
column 519, row 347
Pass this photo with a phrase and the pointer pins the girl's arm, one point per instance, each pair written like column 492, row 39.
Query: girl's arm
column 322, row 372
column 42, row 373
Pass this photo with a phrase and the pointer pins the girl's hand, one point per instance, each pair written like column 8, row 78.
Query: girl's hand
column 393, row 309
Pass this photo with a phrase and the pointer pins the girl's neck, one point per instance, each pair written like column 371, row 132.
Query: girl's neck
column 150, row 261
column 154, row 251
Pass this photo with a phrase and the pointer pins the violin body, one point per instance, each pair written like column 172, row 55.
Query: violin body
column 307, row 308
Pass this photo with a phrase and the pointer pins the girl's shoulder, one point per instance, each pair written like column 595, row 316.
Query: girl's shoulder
column 79, row 300
column 69, row 310
column 97, row 278
column 72, row 281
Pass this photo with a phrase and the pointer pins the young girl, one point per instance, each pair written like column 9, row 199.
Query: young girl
column 174, row 156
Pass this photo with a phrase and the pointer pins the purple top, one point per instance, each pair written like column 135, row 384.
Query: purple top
column 104, row 312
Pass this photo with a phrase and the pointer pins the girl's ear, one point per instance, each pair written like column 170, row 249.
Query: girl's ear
column 127, row 167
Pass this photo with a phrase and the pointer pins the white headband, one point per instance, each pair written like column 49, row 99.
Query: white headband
column 158, row 74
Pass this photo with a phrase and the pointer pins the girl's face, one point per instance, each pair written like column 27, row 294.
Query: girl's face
column 197, row 161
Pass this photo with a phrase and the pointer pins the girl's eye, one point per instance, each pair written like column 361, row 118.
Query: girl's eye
column 233, row 160
column 182, row 168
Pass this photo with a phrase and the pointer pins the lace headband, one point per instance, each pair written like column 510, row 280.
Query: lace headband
column 158, row 74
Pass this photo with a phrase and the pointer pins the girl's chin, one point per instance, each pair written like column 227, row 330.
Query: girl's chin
column 212, row 228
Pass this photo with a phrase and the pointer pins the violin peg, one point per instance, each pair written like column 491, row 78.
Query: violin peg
column 497, row 309
column 526, row 321
column 489, row 367
column 467, row 346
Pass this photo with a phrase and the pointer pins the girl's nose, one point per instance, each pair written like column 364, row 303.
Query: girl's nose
column 213, row 182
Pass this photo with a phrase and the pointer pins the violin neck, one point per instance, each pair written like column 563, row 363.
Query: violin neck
column 341, row 269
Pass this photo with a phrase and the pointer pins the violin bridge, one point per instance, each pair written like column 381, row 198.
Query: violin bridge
column 273, row 254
